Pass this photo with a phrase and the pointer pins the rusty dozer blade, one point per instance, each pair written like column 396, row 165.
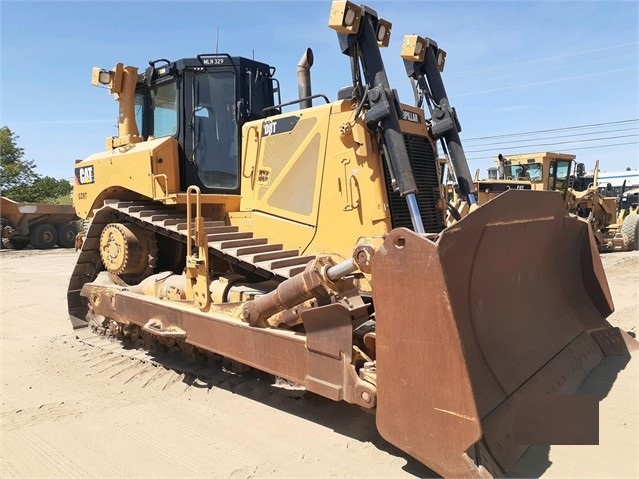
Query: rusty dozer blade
column 511, row 299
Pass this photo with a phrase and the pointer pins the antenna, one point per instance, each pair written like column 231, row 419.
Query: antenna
column 217, row 39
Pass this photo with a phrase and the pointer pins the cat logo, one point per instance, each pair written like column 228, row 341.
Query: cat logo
column 84, row 175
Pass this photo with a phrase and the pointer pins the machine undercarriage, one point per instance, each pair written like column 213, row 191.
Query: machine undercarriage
column 249, row 268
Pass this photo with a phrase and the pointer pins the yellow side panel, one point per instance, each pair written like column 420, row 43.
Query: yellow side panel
column 148, row 169
column 311, row 183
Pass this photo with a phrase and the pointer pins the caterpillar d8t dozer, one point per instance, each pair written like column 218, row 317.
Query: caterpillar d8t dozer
column 312, row 244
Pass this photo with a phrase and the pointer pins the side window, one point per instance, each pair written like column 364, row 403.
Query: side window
column 164, row 109
column 261, row 95
column 140, row 102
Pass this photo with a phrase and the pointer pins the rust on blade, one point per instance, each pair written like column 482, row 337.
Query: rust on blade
column 503, row 303
column 425, row 403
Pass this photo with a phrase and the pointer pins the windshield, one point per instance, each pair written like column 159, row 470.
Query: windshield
column 526, row 171
column 214, row 129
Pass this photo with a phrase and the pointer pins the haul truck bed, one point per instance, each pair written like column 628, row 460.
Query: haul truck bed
column 43, row 226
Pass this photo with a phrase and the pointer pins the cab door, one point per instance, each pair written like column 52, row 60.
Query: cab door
column 210, row 132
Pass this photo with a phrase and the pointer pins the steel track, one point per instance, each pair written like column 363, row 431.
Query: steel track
column 241, row 249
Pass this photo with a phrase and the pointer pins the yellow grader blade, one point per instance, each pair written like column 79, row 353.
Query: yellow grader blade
column 510, row 300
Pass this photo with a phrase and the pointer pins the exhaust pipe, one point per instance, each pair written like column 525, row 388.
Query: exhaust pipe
column 304, row 78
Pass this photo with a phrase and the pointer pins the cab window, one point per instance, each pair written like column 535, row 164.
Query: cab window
column 164, row 109
column 156, row 112
column 559, row 172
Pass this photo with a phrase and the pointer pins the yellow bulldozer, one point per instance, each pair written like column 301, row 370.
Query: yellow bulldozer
column 289, row 240
column 614, row 222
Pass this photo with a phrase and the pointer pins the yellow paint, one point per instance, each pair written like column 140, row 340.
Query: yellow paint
column 312, row 189
column 148, row 169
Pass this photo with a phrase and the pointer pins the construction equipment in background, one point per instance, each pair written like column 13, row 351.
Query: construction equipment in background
column 312, row 244
column 545, row 171
column 614, row 183
column 615, row 228
column 41, row 225
column 628, row 211
column 559, row 172
column 629, row 201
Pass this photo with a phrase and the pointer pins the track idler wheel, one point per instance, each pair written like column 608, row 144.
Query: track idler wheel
column 126, row 251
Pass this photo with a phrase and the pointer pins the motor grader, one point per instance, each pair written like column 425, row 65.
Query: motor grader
column 615, row 227
column 629, row 214
column 290, row 240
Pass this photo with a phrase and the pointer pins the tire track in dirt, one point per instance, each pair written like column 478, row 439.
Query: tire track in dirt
column 19, row 418
column 39, row 451
column 142, row 438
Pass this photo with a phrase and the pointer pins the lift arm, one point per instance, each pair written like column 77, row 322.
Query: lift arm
column 361, row 33
column 424, row 62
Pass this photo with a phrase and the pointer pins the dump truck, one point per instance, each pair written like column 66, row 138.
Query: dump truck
column 43, row 226
column 311, row 244
column 614, row 226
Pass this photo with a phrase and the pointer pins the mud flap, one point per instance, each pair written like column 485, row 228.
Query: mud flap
column 503, row 303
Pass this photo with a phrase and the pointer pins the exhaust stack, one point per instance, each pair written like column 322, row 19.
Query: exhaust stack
column 304, row 78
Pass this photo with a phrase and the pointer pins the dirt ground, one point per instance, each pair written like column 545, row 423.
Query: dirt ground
column 73, row 410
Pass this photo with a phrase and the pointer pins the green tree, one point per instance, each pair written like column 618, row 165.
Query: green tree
column 47, row 190
column 20, row 182
column 15, row 172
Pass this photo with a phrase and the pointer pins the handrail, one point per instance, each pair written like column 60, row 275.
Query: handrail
column 299, row 100
column 198, row 214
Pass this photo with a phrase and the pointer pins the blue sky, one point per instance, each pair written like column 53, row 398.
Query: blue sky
column 512, row 67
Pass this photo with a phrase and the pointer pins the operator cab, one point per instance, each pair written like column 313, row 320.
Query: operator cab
column 203, row 102
column 629, row 201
